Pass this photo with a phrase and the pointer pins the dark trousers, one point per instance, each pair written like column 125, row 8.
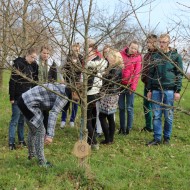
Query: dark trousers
column 107, row 127
column 147, row 106
column 91, row 120
column 45, row 121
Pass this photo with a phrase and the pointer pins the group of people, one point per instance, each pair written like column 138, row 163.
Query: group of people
column 112, row 79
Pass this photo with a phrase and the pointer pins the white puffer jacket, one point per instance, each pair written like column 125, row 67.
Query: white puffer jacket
column 99, row 65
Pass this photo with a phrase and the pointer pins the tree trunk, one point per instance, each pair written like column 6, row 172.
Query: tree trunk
column 1, row 77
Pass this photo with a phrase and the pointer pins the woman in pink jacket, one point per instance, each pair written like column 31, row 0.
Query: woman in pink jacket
column 130, row 77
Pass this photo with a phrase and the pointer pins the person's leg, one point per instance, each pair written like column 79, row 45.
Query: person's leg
column 111, row 122
column 64, row 115
column 94, row 117
column 31, row 140
column 157, row 96
column 64, row 112
column 36, row 142
column 73, row 114
column 21, row 130
column 39, row 144
column 147, row 106
column 168, row 114
column 105, row 127
column 91, row 131
column 122, row 112
column 45, row 121
column 13, row 124
column 91, row 119
column 98, row 124
column 130, row 110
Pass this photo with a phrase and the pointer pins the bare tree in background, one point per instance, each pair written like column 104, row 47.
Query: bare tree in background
column 5, row 16
column 22, row 27
column 61, row 23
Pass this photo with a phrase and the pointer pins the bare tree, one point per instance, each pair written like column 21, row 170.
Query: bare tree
column 5, row 16
column 63, row 23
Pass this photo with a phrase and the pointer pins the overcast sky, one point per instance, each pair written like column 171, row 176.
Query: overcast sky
column 162, row 11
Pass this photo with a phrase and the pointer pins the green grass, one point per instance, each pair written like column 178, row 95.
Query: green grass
column 127, row 164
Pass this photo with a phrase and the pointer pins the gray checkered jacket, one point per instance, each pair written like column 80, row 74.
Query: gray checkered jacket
column 39, row 98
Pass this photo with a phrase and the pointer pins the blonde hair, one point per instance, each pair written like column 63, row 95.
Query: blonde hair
column 134, row 42
column 114, row 57
column 76, row 45
column 31, row 50
column 165, row 36
column 103, row 51
column 47, row 47
column 92, row 43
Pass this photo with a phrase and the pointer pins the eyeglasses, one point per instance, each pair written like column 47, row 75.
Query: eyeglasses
column 33, row 57
column 162, row 42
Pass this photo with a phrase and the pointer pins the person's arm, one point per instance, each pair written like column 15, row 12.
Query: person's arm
column 12, row 84
column 136, row 74
column 35, row 72
column 13, row 81
column 60, row 71
column 145, row 68
column 149, row 95
column 152, row 70
column 178, row 80
column 52, row 75
column 53, row 114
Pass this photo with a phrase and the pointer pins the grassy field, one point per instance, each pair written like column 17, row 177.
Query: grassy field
column 126, row 164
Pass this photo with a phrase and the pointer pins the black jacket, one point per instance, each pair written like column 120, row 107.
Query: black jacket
column 17, row 83
column 52, row 74
column 72, row 73
column 147, row 61
column 112, row 74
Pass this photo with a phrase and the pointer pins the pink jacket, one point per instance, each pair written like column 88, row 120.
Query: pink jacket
column 132, row 68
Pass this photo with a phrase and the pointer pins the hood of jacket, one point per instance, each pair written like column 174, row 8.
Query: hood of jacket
column 20, row 59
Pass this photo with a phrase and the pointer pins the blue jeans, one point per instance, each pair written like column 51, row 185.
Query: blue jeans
column 17, row 119
column 73, row 114
column 166, row 97
column 126, row 101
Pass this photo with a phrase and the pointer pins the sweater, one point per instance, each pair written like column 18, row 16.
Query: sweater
column 47, row 72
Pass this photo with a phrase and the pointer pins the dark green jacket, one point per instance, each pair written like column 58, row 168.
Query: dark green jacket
column 163, row 74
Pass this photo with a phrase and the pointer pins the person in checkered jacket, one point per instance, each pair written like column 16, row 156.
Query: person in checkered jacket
column 50, row 97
